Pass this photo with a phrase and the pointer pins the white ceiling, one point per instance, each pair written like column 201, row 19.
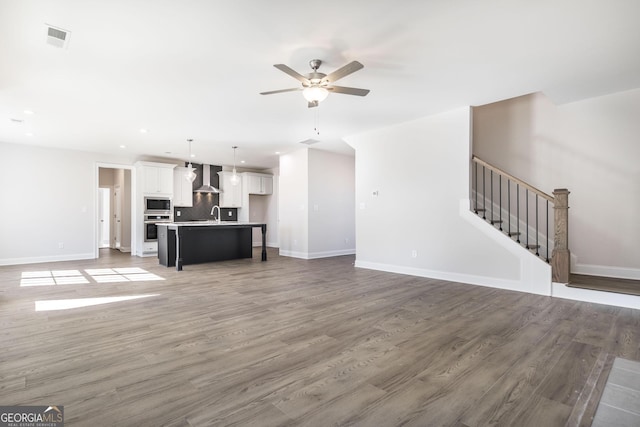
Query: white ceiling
column 194, row 68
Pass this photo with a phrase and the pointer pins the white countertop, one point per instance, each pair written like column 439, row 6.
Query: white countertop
column 201, row 223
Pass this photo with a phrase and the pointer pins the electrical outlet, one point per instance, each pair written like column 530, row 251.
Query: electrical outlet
column 178, row 213
column 61, row 245
column 229, row 213
column 363, row 205
column 414, row 254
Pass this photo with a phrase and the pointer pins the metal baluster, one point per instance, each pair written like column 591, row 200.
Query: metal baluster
column 500, row 187
column 484, row 199
column 547, row 230
column 527, row 207
column 509, row 206
column 475, row 187
column 518, row 210
column 491, row 172
column 537, row 232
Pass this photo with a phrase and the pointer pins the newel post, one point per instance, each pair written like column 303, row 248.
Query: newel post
column 560, row 257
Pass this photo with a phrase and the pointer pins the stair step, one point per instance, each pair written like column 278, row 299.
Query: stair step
column 480, row 210
column 533, row 246
column 496, row 221
column 514, row 233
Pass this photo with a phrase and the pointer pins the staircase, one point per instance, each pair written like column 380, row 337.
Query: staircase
column 534, row 219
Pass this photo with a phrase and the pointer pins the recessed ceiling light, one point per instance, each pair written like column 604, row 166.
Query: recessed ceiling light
column 29, row 112
column 192, row 155
column 242, row 161
column 29, row 134
column 277, row 152
column 143, row 130
column 123, row 146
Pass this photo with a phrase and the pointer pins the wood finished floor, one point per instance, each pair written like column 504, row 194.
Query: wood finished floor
column 295, row 342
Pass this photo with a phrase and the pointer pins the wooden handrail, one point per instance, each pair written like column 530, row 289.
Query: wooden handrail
column 513, row 178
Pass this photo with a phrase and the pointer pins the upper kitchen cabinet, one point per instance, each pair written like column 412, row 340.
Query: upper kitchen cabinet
column 182, row 188
column 231, row 195
column 156, row 178
column 258, row 183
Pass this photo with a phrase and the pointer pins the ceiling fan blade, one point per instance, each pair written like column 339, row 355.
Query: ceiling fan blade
column 281, row 90
column 312, row 104
column 348, row 90
column 351, row 67
column 293, row 73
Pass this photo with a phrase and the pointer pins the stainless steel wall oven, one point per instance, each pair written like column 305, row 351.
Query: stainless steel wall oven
column 150, row 227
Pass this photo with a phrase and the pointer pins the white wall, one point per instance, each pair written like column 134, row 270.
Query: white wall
column 331, row 204
column 48, row 199
column 293, row 204
column 316, row 205
column 420, row 172
column 590, row 147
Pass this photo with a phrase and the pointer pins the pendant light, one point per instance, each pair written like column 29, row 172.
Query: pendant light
column 235, row 179
column 190, row 175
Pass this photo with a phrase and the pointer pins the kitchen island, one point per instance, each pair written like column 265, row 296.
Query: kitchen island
column 194, row 242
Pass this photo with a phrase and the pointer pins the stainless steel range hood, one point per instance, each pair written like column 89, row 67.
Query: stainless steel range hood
column 206, row 181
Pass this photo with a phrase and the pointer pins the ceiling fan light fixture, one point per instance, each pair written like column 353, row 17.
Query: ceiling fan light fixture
column 315, row 93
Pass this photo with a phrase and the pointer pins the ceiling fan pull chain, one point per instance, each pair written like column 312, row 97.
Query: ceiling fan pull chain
column 317, row 121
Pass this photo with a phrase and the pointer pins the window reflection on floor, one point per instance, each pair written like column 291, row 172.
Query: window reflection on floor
column 65, row 304
column 88, row 276
column 92, row 275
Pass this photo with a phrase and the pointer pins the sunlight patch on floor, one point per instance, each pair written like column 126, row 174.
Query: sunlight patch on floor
column 65, row 304
column 94, row 275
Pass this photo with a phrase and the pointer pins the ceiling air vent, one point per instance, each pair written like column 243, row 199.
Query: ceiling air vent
column 57, row 37
column 309, row 141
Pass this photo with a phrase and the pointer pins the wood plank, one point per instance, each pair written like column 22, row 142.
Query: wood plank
column 304, row 342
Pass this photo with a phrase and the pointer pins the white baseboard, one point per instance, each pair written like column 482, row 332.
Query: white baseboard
column 588, row 295
column 125, row 249
column 50, row 258
column 606, row 271
column 315, row 255
column 492, row 282
column 269, row 244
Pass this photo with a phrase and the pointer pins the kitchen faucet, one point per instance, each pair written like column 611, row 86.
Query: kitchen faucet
column 213, row 209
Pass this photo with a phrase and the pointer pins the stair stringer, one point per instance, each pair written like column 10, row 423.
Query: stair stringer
column 535, row 274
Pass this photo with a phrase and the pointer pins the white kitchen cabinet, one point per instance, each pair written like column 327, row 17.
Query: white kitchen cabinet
column 157, row 179
column 231, row 195
column 261, row 184
column 182, row 189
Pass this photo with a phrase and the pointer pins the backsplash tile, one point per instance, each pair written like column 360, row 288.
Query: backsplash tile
column 204, row 202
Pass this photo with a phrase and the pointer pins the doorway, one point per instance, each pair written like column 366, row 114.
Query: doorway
column 114, row 207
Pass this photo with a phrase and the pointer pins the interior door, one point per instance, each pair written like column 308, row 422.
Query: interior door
column 104, row 206
column 117, row 217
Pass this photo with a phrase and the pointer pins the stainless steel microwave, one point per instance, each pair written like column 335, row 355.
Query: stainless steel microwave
column 157, row 205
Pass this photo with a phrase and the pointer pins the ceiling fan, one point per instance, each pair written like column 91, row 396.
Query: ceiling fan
column 316, row 86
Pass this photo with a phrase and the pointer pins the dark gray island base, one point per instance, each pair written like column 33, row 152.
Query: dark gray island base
column 207, row 241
